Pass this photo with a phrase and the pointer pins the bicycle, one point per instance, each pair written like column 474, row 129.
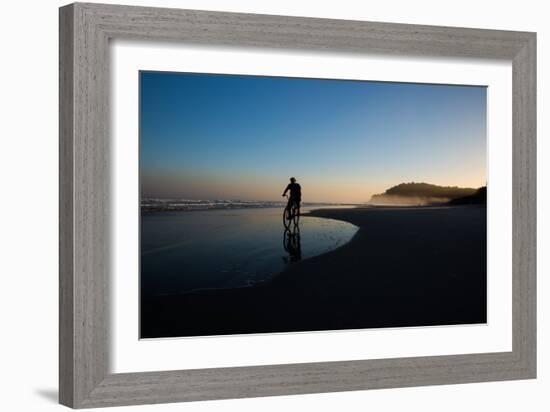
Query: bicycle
column 291, row 214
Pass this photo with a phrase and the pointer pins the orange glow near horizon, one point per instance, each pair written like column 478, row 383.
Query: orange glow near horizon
column 353, row 190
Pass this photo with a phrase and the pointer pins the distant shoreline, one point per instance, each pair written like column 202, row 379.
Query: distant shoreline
column 190, row 206
column 176, row 206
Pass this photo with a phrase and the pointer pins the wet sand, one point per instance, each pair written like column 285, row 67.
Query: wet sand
column 418, row 266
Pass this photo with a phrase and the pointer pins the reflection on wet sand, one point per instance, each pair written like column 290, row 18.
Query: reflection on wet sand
column 184, row 251
column 292, row 244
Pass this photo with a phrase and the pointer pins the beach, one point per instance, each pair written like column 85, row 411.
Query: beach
column 405, row 266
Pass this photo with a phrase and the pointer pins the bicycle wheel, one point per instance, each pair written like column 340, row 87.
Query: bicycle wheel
column 287, row 217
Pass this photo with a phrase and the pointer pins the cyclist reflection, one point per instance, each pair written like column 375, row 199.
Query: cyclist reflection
column 291, row 243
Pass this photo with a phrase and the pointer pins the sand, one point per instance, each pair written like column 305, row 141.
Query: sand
column 418, row 266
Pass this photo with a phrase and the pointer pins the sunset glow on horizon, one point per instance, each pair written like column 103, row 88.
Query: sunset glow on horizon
column 242, row 137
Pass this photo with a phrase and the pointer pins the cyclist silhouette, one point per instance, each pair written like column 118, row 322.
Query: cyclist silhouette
column 295, row 193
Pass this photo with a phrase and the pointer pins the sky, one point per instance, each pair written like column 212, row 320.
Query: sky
column 241, row 137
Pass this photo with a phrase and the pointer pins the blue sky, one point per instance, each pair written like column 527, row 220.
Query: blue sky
column 241, row 137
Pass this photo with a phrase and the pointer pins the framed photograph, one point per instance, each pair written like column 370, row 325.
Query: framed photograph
column 255, row 205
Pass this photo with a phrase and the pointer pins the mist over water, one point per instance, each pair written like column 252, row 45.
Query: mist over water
column 182, row 251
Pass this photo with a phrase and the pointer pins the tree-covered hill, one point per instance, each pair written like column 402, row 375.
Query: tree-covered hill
column 421, row 194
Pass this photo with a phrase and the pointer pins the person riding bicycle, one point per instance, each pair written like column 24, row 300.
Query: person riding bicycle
column 295, row 193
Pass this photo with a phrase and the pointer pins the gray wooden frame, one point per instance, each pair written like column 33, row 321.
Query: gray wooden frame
column 85, row 31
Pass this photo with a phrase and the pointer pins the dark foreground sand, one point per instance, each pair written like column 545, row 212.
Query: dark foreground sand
column 404, row 267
